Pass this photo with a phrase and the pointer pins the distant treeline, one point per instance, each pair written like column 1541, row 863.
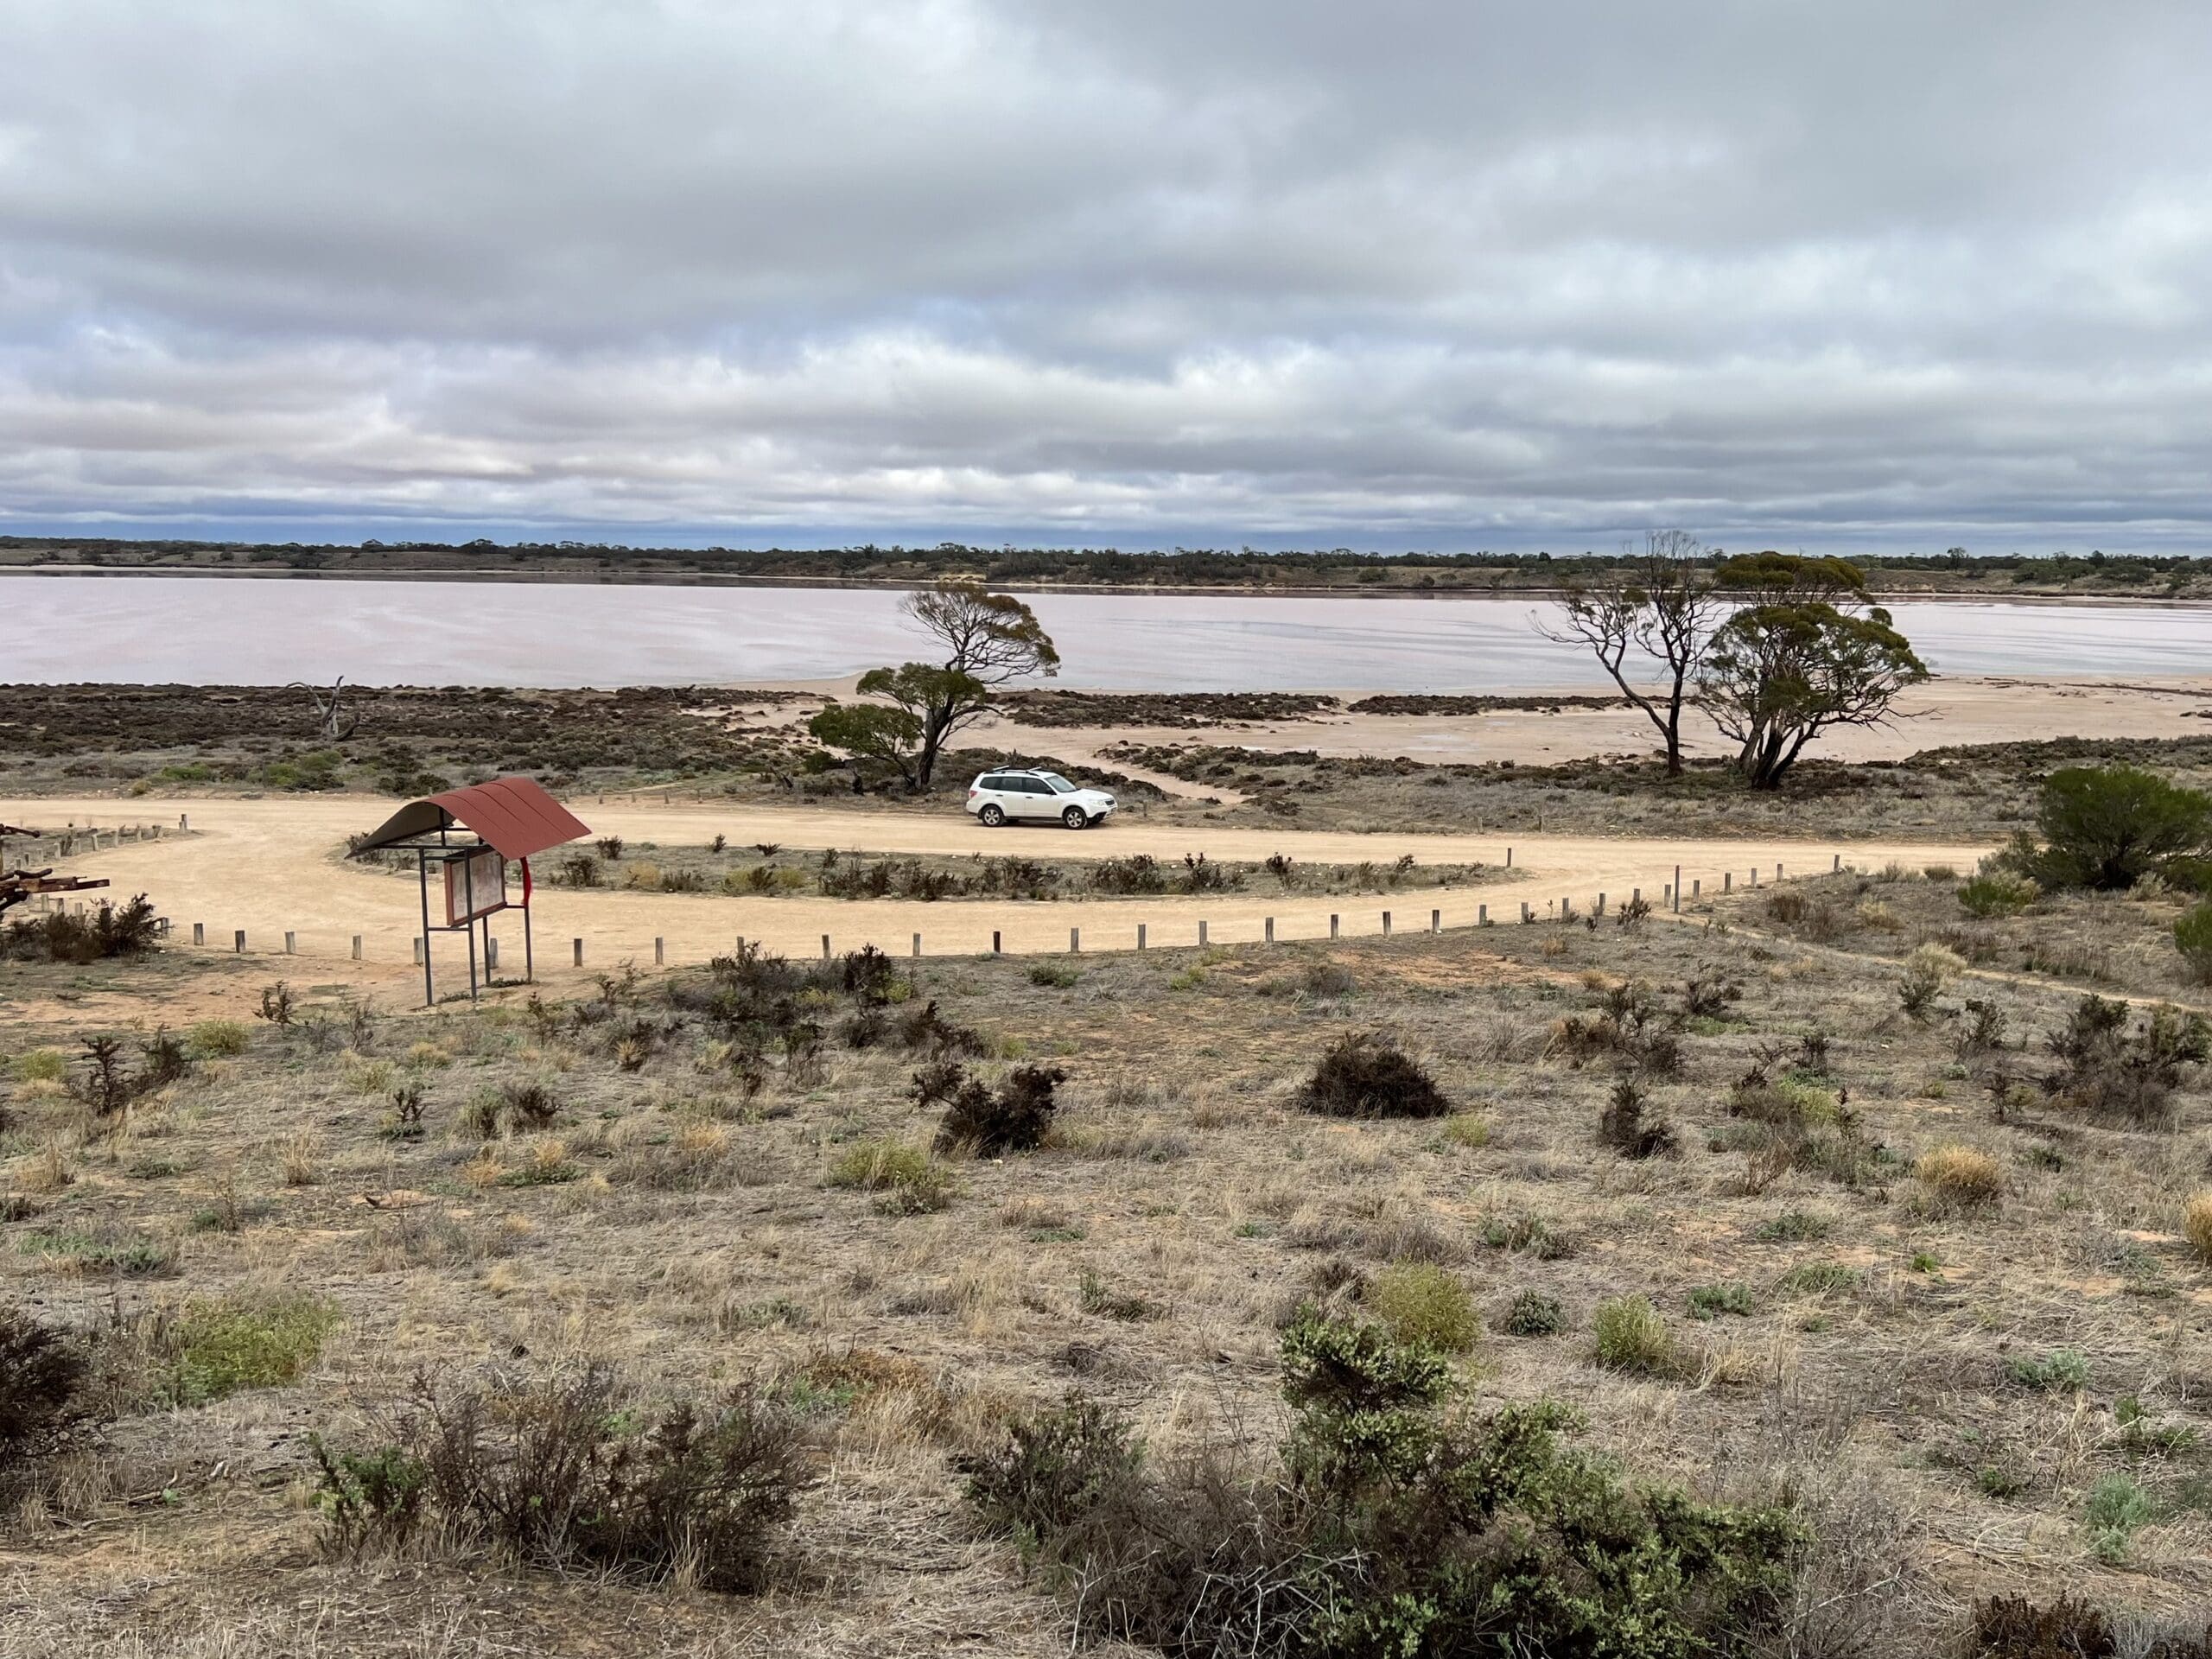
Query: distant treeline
column 1953, row 570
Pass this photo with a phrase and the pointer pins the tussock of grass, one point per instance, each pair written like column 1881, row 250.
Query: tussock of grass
column 1631, row 1337
column 1959, row 1176
column 907, row 1179
column 217, row 1348
column 1423, row 1303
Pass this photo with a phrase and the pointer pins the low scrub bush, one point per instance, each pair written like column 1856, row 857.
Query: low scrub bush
column 570, row 1473
column 1710, row 1301
column 1630, row 1128
column 1629, row 1026
column 1533, row 1314
column 1422, row 1305
column 2116, row 1509
column 214, row 1349
column 1959, row 1176
column 1928, row 972
column 984, row 1123
column 1392, row 1525
column 2193, row 938
column 217, row 1038
column 2114, row 1069
column 2062, row 1370
column 82, row 937
column 1366, row 1074
column 1998, row 892
column 41, row 1372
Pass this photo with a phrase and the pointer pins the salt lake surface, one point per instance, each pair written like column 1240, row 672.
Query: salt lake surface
column 162, row 630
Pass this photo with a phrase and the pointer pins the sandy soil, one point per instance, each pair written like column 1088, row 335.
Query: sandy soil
column 1943, row 713
column 273, row 866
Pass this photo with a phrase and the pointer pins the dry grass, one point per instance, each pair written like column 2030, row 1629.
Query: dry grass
column 1858, row 1339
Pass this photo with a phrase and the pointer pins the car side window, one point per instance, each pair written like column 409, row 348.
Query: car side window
column 991, row 783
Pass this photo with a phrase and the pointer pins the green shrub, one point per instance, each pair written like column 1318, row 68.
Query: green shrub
column 1998, row 892
column 984, row 1123
column 1631, row 1337
column 2117, row 1506
column 1057, row 975
column 1818, row 1279
column 1404, row 1528
column 217, row 1348
column 2062, row 1370
column 570, row 1473
column 2193, row 938
column 1791, row 1226
column 1532, row 1313
column 1421, row 1304
column 1467, row 1129
column 907, row 1180
column 2112, row 1069
column 217, row 1038
column 2108, row 827
column 1709, row 1301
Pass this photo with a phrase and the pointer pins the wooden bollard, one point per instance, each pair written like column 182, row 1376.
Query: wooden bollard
column 1386, row 924
column 995, row 942
column 918, row 944
column 1271, row 930
column 1727, row 880
column 1481, row 915
column 291, row 943
column 1508, row 858
column 578, row 948
column 1755, row 875
column 660, row 951
column 1601, row 904
column 1697, row 886
column 1074, row 941
column 1333, row 922
column 418, row 951
column 492, row 954
column 1202, row 932
column 1139, row 935
column 1777, row 872
column 184, row 821
column 1436, row 921
column 1674, row 892
column 825, row 947
column 1837, row 866
column 200, row 932
column 1525, row 912
column 239, row 942
column 357, row 947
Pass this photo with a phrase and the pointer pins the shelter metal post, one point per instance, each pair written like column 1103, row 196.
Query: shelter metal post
column 423, row 875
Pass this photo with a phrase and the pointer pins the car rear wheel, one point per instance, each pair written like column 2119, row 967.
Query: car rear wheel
column 993, row 815
column 1074, row 817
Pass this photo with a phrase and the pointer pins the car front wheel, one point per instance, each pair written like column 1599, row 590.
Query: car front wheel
column 993, row 815
column 1074, row 818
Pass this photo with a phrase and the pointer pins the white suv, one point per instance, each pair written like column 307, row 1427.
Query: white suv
column 999, row 797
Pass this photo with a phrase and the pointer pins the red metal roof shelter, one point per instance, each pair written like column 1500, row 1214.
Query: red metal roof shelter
column 512, row 818
column 513, row 814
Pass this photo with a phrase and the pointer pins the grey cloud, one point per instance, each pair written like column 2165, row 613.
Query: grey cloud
column 1396, row 274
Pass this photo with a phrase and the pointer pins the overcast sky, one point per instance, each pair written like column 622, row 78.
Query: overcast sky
column 1136, row 271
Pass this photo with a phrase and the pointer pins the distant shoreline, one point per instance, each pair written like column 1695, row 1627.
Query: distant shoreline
column 1193, row 590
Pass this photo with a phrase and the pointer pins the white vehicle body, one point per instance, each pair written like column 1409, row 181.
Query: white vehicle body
column 1012, row 795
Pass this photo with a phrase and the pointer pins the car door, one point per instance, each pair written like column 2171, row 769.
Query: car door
column 1030, row 798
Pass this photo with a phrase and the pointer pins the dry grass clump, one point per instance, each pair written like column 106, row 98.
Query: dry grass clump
column 906, row 1180
column 1959, row 1176
column 1367, row 1075
column 1421, row 1304
column 1631, row 1337
column 2196, row 1223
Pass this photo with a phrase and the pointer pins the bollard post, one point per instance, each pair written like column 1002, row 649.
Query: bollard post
column 825, row 947
column 418, row 952
column 576, row 949
column 1332, row 926
column 1436, row 921
column 492, row 954
column 291, row 943
column 1074, row 941
column 1386, row 924
column 1837, row 864
column 200, row 932
column 1601, row 904
column 1481, row 915
column 357, row 947
column 1635, row 897
column 238, row 943
column 1727, row 880
column 1524, row 913
column 184, row 821
column 918, row 944
column 1508, row 858
column 995, row 942
column 660, row 952
column 1202, row 932
column 1755, row 875
column 1567, row 910
column 1777, row 872
column 1697, row 886
column 1676, row 891
column 1139, row 935
column 1271, row 930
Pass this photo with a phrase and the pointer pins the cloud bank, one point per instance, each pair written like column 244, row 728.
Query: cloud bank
column 1394, row 275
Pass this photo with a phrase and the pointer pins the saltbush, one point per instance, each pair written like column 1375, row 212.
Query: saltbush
column 1422, row 1304
column 2193, row 938
column 2108, row 827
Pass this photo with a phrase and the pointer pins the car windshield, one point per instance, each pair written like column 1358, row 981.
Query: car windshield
column 1057, row 784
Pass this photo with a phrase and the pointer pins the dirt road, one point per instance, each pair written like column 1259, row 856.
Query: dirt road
column 276, row 865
